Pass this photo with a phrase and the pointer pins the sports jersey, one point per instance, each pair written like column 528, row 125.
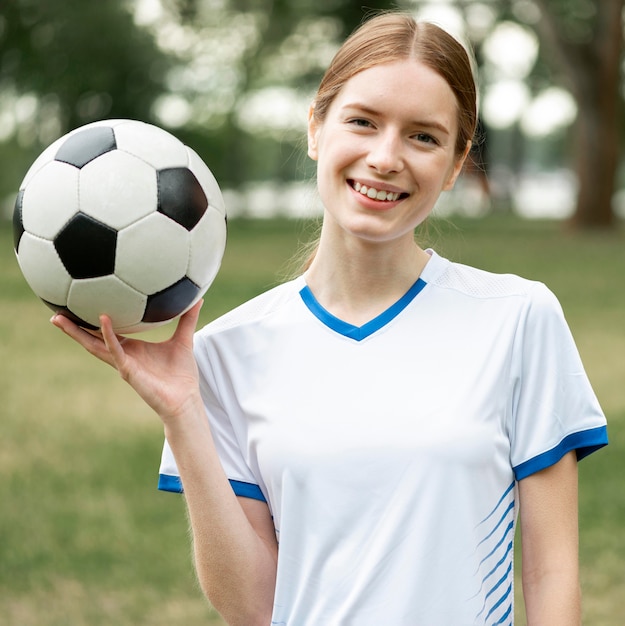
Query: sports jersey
column 389, row 454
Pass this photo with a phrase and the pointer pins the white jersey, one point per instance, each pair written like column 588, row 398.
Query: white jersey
column 389, row 454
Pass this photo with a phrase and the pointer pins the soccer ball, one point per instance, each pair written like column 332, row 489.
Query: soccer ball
column 119, row 217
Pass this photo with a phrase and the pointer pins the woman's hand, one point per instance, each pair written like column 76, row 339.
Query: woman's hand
column 164, row 374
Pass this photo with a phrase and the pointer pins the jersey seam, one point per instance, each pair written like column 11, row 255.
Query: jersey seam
column 464, row 292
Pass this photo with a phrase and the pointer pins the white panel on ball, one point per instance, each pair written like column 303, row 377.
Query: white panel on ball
column 45, row 157
column 152, row 144
column 50, row 200
column 208, row 242
column 91, row 297
column 43, row 269
column 159, row 239
column 207, row 181
column 115, row 199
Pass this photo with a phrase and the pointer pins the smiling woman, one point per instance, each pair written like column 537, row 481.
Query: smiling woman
column 376, row 154
column 436, row 110
column 354, row 445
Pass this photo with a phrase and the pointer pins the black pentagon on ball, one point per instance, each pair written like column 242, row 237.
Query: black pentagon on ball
column 63, row 310
column 86, row 145
column 166, row 304
column 86, row 247
column 180, row 196
column 18, row 226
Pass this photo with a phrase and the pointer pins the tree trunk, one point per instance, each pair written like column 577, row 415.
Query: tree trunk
column 593, row 69
column 597, row 155
column 598, row 126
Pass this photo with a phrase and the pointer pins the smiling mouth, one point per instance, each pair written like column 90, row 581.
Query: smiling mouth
column 377, row 194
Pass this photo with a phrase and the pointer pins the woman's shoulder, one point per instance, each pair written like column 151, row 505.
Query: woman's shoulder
column 256, row 308
column 480, row 283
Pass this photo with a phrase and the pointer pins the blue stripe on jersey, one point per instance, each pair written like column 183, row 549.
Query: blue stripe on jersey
column 505, row 597
column 584, row 443
column 167, row 482
column 507, row 615
column 495, row 567
column 502, row 519
column 503, row 497
column 360, row 332
column 247, row 490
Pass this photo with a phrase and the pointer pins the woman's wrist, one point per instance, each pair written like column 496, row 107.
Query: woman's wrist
column 189, row 414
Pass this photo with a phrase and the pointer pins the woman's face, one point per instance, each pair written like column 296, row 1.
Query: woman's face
column 386, row 150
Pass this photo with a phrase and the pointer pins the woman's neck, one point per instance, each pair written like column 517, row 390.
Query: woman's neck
column 359, row 280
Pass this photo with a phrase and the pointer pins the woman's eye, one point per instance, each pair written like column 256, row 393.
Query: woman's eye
column 425, row 138
column 360, row 122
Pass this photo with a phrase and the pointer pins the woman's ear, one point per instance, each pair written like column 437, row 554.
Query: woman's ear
column 458, row 164
column 313, row 130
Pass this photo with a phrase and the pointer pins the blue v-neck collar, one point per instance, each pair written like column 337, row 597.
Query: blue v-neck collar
column 358, row 333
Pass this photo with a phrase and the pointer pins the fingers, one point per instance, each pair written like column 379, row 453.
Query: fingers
column 111, row 341
column 89, row 340
column 188, row 322
column 110, row 348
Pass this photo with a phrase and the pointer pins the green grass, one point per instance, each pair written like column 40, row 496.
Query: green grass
column 85, row 538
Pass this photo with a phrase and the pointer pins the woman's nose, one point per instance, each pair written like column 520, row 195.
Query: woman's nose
column 385, row 153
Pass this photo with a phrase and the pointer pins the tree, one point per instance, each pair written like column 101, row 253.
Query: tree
column 81, row 60
column 64, row 64
column 87, row 60
column 585, row 39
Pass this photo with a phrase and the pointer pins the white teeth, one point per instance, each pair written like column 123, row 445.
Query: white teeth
column 372, row 193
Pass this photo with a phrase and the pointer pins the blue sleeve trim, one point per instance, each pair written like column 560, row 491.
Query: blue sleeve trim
column 173, row 484
column 167, row 482
column 247, row 490
column 584, row 443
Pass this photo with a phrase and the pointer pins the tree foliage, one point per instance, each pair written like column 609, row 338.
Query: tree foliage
column 63, row 64
column 87, row 60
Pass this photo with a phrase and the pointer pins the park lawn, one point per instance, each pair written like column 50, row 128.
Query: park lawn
column 87, row 540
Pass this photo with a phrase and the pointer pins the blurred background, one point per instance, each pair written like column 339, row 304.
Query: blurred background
column 234, row 78
column 85, row 538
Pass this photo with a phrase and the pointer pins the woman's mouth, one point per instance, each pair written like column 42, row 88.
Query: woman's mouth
column 381, row 195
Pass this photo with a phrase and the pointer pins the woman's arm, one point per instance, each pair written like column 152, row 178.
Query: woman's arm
column 549, row 536
column 234, row 542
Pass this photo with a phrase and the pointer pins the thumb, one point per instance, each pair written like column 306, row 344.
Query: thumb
column 188, row 322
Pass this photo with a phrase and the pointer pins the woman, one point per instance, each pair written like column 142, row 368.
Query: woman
column 375, row 424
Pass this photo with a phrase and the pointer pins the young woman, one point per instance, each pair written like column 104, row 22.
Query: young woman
column 355, row 444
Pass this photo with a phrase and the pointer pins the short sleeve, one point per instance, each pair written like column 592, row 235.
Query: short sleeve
column 230, row 454
column 554, row 408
